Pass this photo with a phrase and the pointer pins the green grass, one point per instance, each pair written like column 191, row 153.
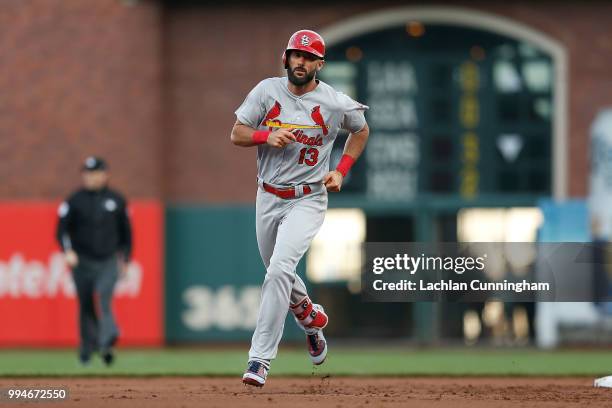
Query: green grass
column 342, row 361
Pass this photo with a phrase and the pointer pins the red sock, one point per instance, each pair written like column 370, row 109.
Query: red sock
column 307, row 315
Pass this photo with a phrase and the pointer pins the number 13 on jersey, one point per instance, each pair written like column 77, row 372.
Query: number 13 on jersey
column 309, row 156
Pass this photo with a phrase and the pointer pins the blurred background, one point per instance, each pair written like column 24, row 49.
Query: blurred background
column 489, row 123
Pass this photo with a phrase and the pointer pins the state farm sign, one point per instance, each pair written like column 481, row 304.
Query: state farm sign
column 38, row 304
column 34, row 279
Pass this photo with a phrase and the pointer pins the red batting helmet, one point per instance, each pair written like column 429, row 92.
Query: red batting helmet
column 305, row 40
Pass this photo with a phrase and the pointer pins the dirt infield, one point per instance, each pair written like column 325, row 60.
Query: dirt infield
column 334, row 392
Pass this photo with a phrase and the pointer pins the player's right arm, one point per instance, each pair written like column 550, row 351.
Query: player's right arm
column 246, row 136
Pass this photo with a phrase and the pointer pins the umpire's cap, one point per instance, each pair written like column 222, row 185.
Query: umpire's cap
column 93, row 163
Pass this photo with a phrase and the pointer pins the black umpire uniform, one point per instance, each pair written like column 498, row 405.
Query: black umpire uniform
column 94, row 229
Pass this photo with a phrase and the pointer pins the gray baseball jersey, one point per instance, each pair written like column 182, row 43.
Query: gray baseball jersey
column 316, row 118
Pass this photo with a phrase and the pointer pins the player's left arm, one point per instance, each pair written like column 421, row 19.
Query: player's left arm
column 353, row 148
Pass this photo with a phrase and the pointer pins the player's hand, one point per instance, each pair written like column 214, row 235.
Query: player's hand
column 333, row 181
column 281, row 138
column 71, row 258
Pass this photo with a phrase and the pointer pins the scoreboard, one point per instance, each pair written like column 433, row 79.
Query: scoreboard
column 454, row 112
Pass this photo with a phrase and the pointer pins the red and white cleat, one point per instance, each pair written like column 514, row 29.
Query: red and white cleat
column 317, row 347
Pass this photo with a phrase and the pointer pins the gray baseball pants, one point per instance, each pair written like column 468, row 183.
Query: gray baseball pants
column 97, row 331
column 285, row 228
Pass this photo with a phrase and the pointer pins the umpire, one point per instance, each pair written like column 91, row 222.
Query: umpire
column 95, row 234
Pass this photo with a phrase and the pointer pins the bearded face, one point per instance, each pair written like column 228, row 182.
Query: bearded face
column 302, row 67
column 301, row 78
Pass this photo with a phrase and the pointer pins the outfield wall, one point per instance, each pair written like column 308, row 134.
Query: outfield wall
column 213, row 275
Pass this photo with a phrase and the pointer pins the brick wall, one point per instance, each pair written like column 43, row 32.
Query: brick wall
column 78, row 78
column 154, row 88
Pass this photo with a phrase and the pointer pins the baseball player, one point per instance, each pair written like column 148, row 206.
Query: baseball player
column 293, row 121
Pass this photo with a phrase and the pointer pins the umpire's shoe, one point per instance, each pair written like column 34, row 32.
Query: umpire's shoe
column 255, row 374
column 107, row 354
column 108, row 357
column 317, row 347
column 84, row 359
